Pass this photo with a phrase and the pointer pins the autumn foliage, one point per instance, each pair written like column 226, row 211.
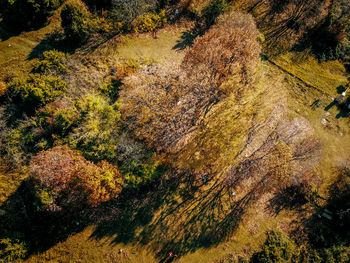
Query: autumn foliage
column 65, row 179
column 164, row 104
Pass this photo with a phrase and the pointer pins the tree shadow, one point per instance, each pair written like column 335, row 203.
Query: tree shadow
column 330, row 105
column 177, row 215
column 342, row 103
column 344, row 109
column 6, row 32
column 38, row 229
column 186, row 40
column 57, row 41
column 290, row 198
column 52, row 41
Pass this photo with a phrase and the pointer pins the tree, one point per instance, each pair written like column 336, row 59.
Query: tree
column 77, row 21
column 229, row 49
column 164, row 104
column 96, row 132
column 65, row 179
column 277, row 248
column 149, row 22
column 125, row 11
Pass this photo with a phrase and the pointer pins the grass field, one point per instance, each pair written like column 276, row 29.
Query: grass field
column 141, row 47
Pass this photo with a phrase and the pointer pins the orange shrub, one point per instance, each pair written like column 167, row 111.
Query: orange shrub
column 68, row 180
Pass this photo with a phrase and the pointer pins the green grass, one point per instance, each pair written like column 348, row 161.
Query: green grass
column 326, row 76
column 141, row 47
column 9, row 181
column 82, row 248
column 14, row 52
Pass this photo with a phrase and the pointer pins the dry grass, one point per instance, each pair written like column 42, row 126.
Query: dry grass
column 326, row 76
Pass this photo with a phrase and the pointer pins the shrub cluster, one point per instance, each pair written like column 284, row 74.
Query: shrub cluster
column 36, row 90
column 66, row 179
column 149, row 22
column 277, row 248
column 53, row 62
column 12, row 249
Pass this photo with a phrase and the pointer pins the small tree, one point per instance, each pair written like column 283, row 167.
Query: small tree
column 229, row 48
column 149, row 22
column 77, row 22
column 277, row 248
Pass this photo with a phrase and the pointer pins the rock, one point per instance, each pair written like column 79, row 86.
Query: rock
column 9, row 45
column 324, row 121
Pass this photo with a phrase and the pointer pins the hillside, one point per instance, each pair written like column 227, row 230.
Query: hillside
column 203, row 139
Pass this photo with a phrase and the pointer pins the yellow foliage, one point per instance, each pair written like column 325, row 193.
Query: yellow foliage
column 149, row 22
column 3, row 88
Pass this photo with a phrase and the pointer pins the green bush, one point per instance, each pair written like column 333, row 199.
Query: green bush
column 136, row 173
column 96, row 134
column 11, row 250
column 53, row 62
column 277, row 248
column 27, row 13
column 125, row 12
column 149, row 22
column 77, row 22
column 36, row 90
